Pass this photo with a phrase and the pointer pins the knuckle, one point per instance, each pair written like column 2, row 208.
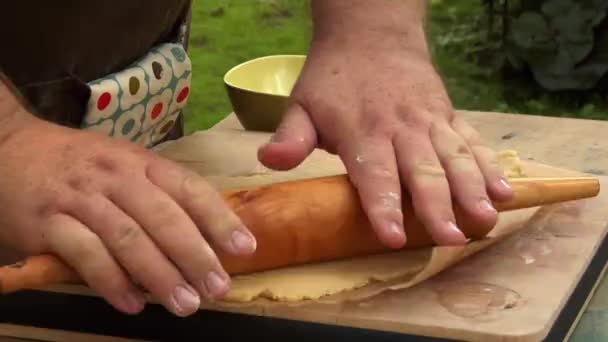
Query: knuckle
column 126, row 236
column 80, row 183
column 428, row 169
column 428, row 175
column 88, row 253
column 381, row 173
column 436, row 106
column 194, row 185
column 472, row 136
column 462, row 153
column 420, row 122
column 486, row 155
column 378, row 126
column 105, row 164
column 165, row 216
column 57, row 202
column 158, row 169
column 441, row 104
column 468, row 133
column 197, row 192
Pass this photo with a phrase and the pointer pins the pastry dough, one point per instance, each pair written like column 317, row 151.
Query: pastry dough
column 228, row 160
column 311, row 282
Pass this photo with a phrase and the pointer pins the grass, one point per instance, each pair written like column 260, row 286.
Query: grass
column 227, row 32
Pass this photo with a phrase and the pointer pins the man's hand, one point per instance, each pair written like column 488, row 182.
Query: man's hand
column 369, row 92
column 121, row 216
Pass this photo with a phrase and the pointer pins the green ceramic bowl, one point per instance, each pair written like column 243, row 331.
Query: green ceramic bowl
column 259, row 89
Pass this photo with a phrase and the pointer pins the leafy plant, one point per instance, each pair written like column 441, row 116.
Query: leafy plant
column 560, row 42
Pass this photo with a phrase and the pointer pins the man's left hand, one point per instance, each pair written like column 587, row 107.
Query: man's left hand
column 386, row 113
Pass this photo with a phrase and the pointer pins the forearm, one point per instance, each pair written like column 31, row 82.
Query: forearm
column 373, row 24
column 13, row 112
column 8, row 100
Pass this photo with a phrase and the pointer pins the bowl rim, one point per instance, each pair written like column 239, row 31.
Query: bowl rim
column 251, row 61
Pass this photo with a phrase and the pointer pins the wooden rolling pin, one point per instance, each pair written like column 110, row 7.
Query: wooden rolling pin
column 313, row 220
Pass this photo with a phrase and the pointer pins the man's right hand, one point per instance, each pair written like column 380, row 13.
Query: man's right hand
column 121, row 216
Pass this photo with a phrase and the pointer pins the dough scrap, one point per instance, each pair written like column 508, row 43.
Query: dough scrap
column 228, row 161
column 510, row 163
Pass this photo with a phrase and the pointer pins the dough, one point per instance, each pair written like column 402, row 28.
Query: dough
column 228, row 160
column 315, row 281
column 510, row 163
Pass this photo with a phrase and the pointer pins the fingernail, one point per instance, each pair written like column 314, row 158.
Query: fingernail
column 453, row 227
column 486, row 205
column 185, row 300
column 133, row 302
column 395, row 229
column 215, row 284
column 457, row 238
column 505, row 184
column 396, row 233
column 275, row 138
column 242, row 242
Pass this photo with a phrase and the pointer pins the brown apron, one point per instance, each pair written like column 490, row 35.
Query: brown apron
column 53, row 48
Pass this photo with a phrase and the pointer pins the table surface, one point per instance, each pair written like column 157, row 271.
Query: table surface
column 562, row 142
column 568, row 143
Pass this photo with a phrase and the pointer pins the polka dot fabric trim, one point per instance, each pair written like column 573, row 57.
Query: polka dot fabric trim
column 141, row 103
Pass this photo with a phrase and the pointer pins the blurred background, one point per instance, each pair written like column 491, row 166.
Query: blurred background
column 542, row 57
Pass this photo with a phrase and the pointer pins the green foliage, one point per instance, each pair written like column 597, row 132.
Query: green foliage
column 559, row 42
column 469, row 57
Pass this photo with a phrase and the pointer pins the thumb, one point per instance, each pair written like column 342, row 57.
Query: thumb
column 293, row 141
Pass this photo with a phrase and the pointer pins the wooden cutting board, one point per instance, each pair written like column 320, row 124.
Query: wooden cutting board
column 513, row 291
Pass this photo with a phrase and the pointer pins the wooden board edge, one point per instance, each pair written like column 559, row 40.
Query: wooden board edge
column 590, row 296
column 545, row 332
column 54, row 335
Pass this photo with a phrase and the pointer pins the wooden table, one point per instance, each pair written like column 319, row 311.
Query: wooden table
column 562, row 142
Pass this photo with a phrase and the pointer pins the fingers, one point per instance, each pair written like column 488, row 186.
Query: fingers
column 466, row 180
column 176, row 236
column 372, row 168
column 145, row 261
column 221, row 226
column 496, row 182
column 425, row 178
column 293, row 141
column 73, row 242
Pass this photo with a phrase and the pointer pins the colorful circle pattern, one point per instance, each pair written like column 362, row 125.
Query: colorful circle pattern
column 142, row 102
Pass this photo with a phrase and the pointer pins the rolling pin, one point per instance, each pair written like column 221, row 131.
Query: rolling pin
column 313, row 220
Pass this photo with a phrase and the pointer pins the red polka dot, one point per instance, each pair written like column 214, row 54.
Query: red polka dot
column 156, row 110
column 183, row 94
column 104, row 101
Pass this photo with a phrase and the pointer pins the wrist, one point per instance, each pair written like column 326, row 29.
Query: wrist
column 374, row 42
column 371, row 26
column 13, row 114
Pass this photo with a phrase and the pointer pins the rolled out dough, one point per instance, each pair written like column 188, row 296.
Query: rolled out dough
column 228, row 160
